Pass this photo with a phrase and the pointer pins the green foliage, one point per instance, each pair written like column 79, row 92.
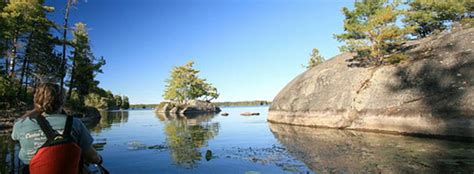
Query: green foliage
column 244, row 103
column 103, row 100
column 125, row 102
column 185, row 85
column 8, row 89
column 429, row 16
column 40, row 53
column 74, row 102
column 85, row 65
column 184, row 140
column 467, row 22
column 370, row 31
column 225, row 104
column 144, row 106
column 97, row 101
column 314, row 59
column 28, row 45
column 118, row 101
column 396, row 58
column 20, row 17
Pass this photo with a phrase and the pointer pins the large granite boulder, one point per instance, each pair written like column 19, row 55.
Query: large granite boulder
column 432, row 93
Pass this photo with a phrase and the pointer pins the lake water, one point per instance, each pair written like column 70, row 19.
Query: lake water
column 145, row 142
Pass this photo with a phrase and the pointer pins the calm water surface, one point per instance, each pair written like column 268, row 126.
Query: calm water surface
column 145, row 142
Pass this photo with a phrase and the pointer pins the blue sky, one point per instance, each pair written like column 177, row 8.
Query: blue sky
column 249, row 49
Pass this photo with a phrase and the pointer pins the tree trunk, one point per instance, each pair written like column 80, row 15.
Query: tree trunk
column 6, row 57
column 65, row 27
column 35, row 84
column 13, row 58
column 25, row 91
column 23, row 67
column 23, row 71
column 71, row 82
column 6, row 65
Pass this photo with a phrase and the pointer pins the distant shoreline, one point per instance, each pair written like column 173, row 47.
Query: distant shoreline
column 220, row 104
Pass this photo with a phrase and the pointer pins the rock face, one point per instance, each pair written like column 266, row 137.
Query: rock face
column 192, row 107
column 431, row 94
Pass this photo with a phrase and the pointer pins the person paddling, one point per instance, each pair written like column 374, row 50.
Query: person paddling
column 52, row 142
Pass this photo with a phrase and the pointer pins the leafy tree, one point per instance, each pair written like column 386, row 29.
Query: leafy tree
column 185, row 85
column 370, row 31
column 97, row 101
column 314, row 59
column 427, row 17
column 106, row 100
column 125, row 102
column 85, row 66
column 118, row 101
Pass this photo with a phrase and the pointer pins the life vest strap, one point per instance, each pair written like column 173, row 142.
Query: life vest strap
column 50, row 132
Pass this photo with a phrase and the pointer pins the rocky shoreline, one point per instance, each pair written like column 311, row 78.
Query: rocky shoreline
column 8, row 117
column 432, row 94
column 190, row 108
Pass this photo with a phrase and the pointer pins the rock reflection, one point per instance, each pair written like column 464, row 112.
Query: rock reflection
column 186, row 135
column 107, row 120
column 338, row 151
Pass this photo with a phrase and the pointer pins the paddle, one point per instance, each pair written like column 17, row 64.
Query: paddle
column 103, row 169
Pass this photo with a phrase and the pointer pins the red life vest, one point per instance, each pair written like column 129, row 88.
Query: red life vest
column 60, row 154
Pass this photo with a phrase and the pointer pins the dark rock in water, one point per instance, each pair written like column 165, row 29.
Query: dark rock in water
column 86, row 114
column 250, row 114
column 225, row 114
column 432, row 93
column 208, row 155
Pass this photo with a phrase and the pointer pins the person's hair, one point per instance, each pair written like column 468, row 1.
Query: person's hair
column 48, row 98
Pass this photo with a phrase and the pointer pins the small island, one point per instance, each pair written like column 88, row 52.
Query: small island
column 187, row 93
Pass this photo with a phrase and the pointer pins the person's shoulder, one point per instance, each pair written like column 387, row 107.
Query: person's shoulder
column 22, row 121
column 26, row 118
column 77, row 122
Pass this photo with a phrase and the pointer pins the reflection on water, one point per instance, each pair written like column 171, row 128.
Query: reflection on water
column 185, row 135
column 9, row 159
column 108, row 118
column 337, row 151
column 145, row 142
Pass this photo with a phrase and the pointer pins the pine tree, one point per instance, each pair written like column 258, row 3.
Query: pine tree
column 370, row 31
column 314, row 59
column 85, row 66
column 69, row 5
column 184, row 85
column 428, row 17
column 39, row 56
column 18, row 18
